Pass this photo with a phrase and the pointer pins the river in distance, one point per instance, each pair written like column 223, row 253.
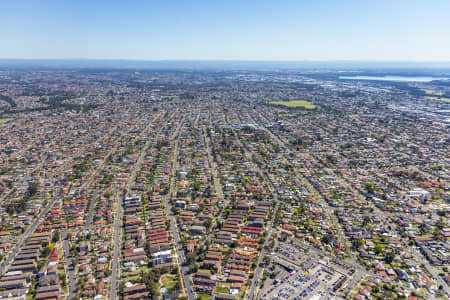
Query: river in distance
column 396, row 78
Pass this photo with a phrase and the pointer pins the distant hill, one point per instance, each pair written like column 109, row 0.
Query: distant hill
column 228, row 65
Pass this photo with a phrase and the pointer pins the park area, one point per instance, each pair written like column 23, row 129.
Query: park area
column 294, row 104
column 438, row 98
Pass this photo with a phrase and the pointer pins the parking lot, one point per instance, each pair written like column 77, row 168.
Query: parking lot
column 301, row 275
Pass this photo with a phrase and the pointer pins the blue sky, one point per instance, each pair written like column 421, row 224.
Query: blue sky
column 378, row 30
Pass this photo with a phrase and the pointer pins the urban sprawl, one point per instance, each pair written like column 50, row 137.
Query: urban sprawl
column 125, row 184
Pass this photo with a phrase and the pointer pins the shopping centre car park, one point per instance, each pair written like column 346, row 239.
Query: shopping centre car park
column 302, row 275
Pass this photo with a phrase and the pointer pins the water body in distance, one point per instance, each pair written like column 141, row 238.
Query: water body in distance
column 396, row 78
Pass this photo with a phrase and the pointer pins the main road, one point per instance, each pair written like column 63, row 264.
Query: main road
column 187, row 284
column 117, row 236
column 253, row 288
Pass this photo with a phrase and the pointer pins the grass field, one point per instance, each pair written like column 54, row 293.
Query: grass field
column 431, row 92
column 438, row 99
column 294, row 104
column 204, row 296
column 286, row 115
column 168, row 281
column 222, row 290
column 3, row 120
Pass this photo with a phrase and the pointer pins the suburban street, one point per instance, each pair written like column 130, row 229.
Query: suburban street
column 180, row 258
column 119, row 197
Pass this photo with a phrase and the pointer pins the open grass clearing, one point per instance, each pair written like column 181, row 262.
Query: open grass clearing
column 294, row 104
column 443, row 99
column 203, row 296
column 221, row 290
column 168, row 281
column 285, row 115
column 431, row 92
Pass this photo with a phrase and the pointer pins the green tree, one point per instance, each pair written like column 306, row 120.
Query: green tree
column 326, row 239
column 208, row 223
column 32, row 188
column 56, row 237
column 47, row 250
column 190, row 258
column 389, row 257
column 178, row 284
column 378, row 248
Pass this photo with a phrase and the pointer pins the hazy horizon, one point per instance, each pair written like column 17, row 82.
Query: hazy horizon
column 413, row 68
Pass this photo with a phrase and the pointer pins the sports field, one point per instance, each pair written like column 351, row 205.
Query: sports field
column 294, row 104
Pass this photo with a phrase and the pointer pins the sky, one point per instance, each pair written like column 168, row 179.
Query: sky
column 276, row 30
